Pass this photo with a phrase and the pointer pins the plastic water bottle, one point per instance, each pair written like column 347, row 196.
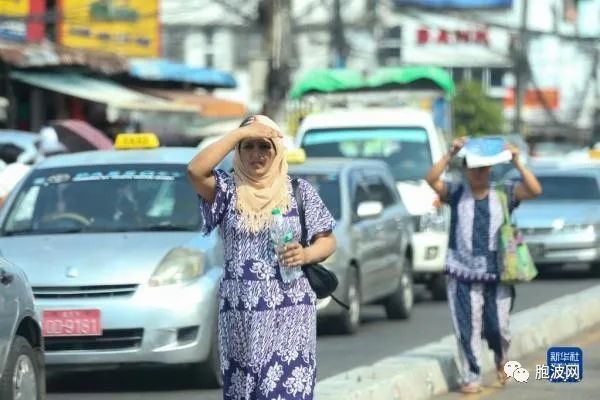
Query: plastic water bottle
column 282, row 234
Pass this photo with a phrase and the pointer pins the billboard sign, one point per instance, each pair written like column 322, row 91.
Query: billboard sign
column 22, row 20
column 127, row 27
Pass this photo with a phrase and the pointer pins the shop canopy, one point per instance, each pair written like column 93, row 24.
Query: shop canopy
column 100, row 91
column 208, row 106
column 340, row 80
column 167, row 71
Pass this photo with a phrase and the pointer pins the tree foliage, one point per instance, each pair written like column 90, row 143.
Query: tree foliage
column 475, row 114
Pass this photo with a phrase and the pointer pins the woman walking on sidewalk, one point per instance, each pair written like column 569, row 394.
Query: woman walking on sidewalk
column 267, row 327
column 478, row 302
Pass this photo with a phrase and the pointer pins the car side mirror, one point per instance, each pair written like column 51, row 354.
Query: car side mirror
column 369, row 209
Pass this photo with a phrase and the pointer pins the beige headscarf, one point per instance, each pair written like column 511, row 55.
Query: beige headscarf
column 257, row 197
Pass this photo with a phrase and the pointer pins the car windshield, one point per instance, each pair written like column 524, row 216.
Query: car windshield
column 569, row 188
column 105, row 198
column 405, row 150
column 328, row 187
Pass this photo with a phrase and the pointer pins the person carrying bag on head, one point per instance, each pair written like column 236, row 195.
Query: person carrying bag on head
column 267, row 308
column 479, row 301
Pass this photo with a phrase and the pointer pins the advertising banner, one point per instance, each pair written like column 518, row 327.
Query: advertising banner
column 22, row 20
column 127, row 27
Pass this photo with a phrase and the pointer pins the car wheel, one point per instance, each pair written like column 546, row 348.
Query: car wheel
column 399, row 304
column 349, row 320
column 207, row 374
column 23, row 377
column 438, row 288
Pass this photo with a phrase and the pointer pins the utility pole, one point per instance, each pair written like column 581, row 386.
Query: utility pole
column 339, row 46
column 277, row 15
column 520, row 65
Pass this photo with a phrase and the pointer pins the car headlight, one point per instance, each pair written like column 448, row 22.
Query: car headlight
column 431, row 221
column 178, row 265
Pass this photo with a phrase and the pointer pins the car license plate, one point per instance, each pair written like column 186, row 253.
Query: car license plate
column 71, row 323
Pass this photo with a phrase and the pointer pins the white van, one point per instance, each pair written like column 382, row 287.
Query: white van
column 408, row 141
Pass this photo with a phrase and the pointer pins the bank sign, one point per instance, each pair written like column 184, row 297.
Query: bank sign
column 464, row 4
column 127, row 27
column 22, row 20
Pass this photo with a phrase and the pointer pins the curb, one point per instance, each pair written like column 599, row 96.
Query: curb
column 432, row 369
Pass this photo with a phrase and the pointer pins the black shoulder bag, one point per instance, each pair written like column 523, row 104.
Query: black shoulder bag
column 322, row 281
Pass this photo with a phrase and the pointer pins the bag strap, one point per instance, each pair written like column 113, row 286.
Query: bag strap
column 304, row 234
column 301, row 214
column 501, row 193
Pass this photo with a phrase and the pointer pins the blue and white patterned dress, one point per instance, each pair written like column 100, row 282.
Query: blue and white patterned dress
column 479, row 303
column 267, row 328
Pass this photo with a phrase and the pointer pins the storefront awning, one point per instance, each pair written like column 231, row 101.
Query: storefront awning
column 344, row 80
column 168, row 71
column 99, row 91
column 208, row 106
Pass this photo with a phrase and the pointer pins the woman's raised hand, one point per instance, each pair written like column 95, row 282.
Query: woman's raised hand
column 457, row 145
column 256, row 129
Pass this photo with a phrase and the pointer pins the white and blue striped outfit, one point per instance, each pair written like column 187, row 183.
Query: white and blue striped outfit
column 479, row 303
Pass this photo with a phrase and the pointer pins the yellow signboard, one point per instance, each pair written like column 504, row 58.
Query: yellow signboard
column 127, row 27
column 14, row 21
column 136, row 141
column 14, row 8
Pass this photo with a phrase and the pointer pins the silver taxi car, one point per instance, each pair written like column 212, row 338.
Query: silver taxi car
column 121, row 276
column 373, row 259
column 22, row 373
column 563, row 224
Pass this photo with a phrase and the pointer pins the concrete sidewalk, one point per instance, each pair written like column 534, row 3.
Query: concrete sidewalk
column 588, row 388
column 431, row 370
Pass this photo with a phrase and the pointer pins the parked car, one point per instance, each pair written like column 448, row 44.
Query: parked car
column 552, row 149
column 28, row 142
column 374, row 255
column 22, row 371
column 563, row 224
column 127, row 279
column 408, row 142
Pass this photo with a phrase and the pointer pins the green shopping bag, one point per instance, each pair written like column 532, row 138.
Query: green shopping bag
column 516, row 264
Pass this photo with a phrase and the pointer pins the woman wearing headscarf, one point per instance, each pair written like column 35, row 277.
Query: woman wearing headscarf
column 479, row 302
column 267, row 327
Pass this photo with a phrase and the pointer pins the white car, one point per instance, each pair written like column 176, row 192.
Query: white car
column 22, row 373
column 408, row 142
column 28, row 142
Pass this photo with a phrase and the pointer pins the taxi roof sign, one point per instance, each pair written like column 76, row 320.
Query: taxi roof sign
column 594, row 154
column 131, row 141
column 296, row 156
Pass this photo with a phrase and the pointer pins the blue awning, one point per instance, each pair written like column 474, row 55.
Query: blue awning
column 165, row 70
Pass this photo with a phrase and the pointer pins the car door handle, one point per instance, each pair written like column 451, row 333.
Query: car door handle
column 5, row 278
